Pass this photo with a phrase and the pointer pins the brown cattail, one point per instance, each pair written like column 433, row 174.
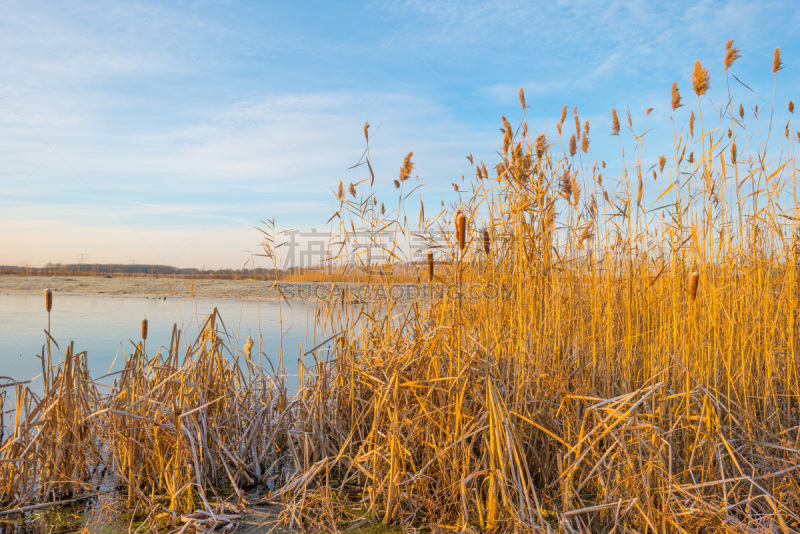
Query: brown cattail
column 487, row 241
column 700, row 80
column 408, row 166
column 791, row 106
column 733, row 153
column 144, row 329
column 691, row 124
column 731, row 54
column 48, row 299
column 522, row 98
column 461, row 230
column 676, row 96
column 430, row 266
column 776, row 61
column 573, row 146
column 614, row 122
column 694, row 278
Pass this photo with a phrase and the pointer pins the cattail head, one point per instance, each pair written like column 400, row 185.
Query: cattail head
column 776, row 61
column 676, row 96
column 731, row 54
column 522, row 98
column 733, row 153
column 487, row 241
column 461, row 230
column 694, row 278
column 614, row 122
column 430, row 266
column 48, row 299
column 700, row 80
column 144, row 329
column 408, row 166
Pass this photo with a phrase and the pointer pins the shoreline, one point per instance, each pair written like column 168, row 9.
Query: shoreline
column 186, row 288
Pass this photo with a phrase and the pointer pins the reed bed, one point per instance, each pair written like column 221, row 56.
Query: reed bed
column 600, row 348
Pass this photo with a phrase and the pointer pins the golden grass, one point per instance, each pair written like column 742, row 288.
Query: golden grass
column 624, row 360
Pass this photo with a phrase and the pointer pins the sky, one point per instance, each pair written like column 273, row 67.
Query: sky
column 166, row 132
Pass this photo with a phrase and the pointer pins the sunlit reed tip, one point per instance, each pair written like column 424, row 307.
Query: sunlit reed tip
column 676, row 96
column 731, row 54
column 777, row 64
column 614, row 122
column 48, row 299
column 700, row 79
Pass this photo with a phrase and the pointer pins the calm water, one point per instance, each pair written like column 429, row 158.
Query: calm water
column 109, row 327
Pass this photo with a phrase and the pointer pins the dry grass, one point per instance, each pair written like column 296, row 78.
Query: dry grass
column 630, row 363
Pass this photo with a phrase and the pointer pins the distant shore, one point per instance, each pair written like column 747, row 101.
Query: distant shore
column 183, row 288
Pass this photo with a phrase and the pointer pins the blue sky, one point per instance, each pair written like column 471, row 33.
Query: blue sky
column 164, row 132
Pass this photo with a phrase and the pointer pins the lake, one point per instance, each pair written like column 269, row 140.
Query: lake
column 109, row 327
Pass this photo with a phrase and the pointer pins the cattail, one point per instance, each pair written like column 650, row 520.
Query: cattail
column 366, row 136
column 487, row 241
column 776, row 61
column 791, row 106
column 700, row 80
column 731, row 54
column 741, row 111
column 248, row 346
column 541, row 145
column 733, row 153
column 661, row 162
column 694, row 278
column 48, row 299
column 522, row 98
column 691, row 124
column 614, row 122
column 461, row 229
column 676, row 96
column 144, row 329
column 430, row 266
column 573, row 147
column 408, row 166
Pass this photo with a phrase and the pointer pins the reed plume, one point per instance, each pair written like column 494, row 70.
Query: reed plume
column 661, row 162
column 541, row 145
column 614, row 122
column 352, row 190
column 700, row 80
column 340, row 192
column 731, row 54
column 791, row 106
column 691, row 124
column 676, row 96
column 563, row 114
column 776, row 61
column 573, row 147
column 522, row 98
column 366, row 132
column 585, row 142
column 408, row 166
